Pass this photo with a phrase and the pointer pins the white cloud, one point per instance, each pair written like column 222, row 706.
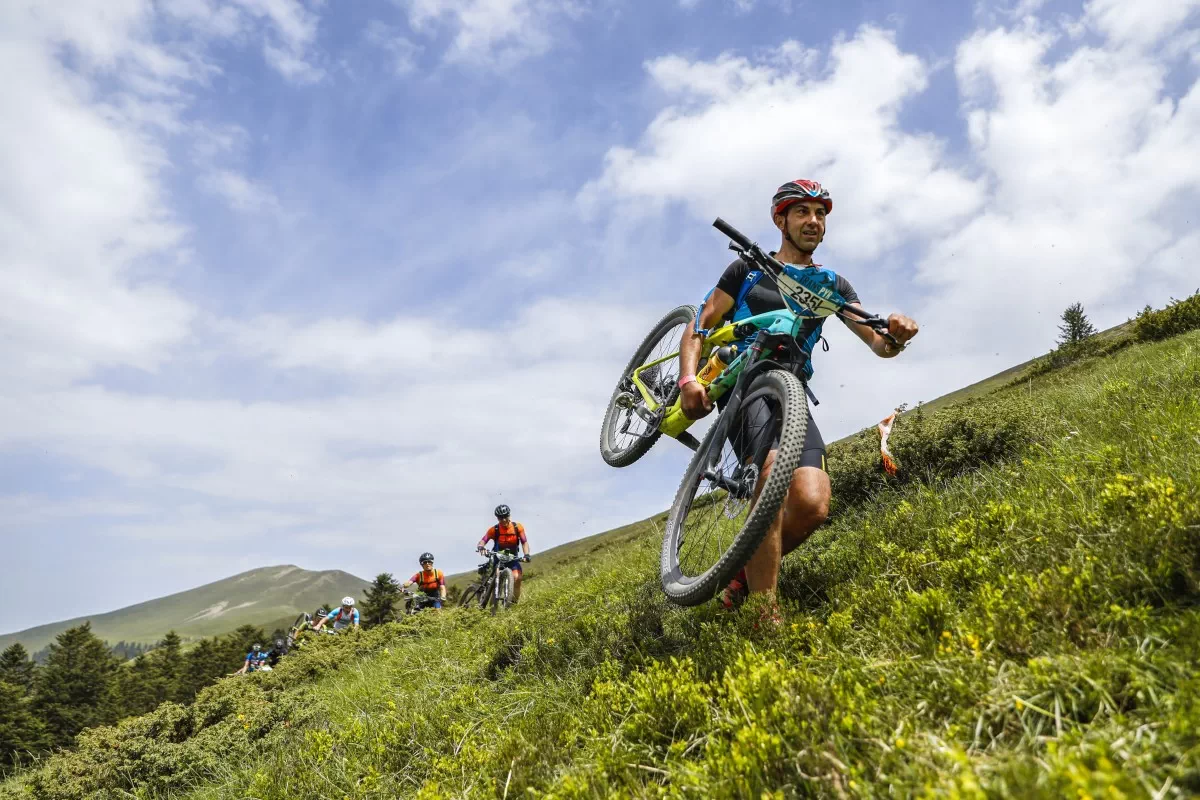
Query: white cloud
column 295, row 29
column 1142, row 24
column 81, row 212
column 1088, row 159
column 426, row 409
column 402, row 50
column 736, row 129
column 240, row 192
column 492, row 31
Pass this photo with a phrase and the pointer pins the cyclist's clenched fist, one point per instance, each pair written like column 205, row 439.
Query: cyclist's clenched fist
column 693, row 397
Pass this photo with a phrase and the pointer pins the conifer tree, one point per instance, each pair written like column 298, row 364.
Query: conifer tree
column 16, row 667
column 75, row 689
column 168, row 660
column 1076, row 326
column 139, row 686
column 379, row 600
column 202, row 665
column 21, row 732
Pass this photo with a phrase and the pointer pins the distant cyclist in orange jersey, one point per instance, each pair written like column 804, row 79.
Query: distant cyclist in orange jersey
column 430, row 581
column 507, row 535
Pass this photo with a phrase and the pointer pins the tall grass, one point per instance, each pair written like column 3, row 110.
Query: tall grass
column 1016, row 616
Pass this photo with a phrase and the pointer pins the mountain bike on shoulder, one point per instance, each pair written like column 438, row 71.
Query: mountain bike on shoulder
column 730, row 494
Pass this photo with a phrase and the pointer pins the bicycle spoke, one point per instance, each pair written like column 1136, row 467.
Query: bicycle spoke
column 629, row 427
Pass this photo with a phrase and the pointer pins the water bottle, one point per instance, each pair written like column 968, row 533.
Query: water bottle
column 716, row 364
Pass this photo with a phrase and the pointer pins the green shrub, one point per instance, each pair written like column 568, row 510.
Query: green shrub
column 934, row 446
column 1180, row 316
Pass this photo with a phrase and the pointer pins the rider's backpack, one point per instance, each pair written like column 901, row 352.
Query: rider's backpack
column 515, row 531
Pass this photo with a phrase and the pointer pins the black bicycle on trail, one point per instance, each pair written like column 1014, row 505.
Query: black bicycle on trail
column 495, row 585
column 729, row 494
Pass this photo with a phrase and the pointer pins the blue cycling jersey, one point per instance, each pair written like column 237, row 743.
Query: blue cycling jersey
column 257, row 659
column 339, row 616
column 755, row 293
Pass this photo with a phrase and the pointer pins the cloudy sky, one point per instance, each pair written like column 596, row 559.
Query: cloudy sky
column 322, row 281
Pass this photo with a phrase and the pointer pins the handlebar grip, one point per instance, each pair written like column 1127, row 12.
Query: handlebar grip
column 733, row 233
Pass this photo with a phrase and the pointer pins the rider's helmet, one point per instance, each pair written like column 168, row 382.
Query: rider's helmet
column 279, row 644
column 320, row 613
column 797, row 190
column 256, row 647
column 426, row 557
column 347, row 601
column 503, row 511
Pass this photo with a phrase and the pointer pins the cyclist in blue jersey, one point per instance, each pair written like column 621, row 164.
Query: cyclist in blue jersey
column 255, row 660
column 345, row 616
column 798, row 210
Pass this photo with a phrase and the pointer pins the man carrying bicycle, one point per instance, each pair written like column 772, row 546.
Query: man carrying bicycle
column 507, row 535
column 798, row 210
column 343, row 617
column 430, row 581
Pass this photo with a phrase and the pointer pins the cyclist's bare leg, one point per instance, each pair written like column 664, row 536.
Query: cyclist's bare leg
column 516, row 576
column 802, row 511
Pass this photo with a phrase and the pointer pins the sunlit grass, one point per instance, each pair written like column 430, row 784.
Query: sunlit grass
column 1028, row 628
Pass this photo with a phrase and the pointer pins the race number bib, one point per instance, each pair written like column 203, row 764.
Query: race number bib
column 809, row 292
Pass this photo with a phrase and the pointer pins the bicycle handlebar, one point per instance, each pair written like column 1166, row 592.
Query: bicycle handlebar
column 733, row 233
column 771, row 265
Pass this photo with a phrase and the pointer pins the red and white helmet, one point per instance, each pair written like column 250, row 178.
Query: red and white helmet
column 797, row 190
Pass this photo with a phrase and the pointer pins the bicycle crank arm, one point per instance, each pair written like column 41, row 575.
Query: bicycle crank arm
column 689, row 441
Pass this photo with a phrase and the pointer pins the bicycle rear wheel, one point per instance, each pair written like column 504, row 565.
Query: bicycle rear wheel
column 625, row 437
column 724, row 505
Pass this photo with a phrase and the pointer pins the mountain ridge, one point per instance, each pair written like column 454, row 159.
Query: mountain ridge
column 268, row 596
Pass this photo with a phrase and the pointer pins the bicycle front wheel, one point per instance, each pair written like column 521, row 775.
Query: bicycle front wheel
column 728, row 497
column 625, row 437
column 470, row 596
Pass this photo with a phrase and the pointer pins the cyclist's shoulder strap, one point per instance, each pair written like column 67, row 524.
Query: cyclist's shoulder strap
column 753, row 276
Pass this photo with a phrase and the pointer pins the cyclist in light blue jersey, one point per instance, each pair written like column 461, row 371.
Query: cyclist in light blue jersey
column 345, row 616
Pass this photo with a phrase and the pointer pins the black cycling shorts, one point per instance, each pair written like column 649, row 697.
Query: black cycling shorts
column 755, row 423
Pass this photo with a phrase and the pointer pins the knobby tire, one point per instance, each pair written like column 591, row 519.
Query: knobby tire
column 684, row 590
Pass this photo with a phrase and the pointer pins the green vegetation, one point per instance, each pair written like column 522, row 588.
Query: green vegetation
column 1015, row 616
column 269, row 597
column 83, row 685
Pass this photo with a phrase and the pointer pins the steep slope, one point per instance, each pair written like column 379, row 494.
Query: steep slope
column 267, row 596
column 1016, row 616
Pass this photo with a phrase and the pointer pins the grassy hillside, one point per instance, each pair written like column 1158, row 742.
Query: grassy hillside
column 267, row 597
column 1016, row 615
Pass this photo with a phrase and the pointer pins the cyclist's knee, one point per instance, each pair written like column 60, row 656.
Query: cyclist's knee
column 808, row 498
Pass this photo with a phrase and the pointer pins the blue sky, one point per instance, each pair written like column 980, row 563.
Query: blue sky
column 321, row 282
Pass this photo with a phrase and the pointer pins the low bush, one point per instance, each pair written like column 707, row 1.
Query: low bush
column 1180, row 316
column 934, row 446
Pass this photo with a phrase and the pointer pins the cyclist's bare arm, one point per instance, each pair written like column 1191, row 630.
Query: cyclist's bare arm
column 900, row 326
column 694, row 398
column 717, row 306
